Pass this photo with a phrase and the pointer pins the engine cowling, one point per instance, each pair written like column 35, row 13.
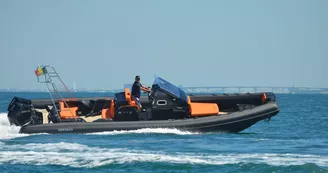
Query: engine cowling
column 21, row 112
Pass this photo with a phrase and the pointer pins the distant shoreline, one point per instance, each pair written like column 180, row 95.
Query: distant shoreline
column 112, row 92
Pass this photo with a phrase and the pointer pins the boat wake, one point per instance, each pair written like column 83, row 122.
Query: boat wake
column 146, row 131
column 6, row 130
column 77, row 155
column 9, row 132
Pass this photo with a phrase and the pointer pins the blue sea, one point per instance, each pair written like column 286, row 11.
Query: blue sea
column 296, row 140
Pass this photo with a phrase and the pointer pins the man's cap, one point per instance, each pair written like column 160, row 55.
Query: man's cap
column 137, row 77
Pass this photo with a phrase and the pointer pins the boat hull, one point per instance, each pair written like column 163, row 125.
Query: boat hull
column 234, row 122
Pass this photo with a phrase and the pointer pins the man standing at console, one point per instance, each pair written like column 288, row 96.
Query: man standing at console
column 136, row 90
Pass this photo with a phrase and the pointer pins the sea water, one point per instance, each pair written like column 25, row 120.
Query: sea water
column 296, row 140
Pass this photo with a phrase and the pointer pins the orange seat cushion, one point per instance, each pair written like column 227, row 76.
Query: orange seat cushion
column 203, row 109
column 67, row 112
column 105, row 113
column 108, row 112
column 129, row 99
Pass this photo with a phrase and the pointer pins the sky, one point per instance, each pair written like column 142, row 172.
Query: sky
column 105, row 44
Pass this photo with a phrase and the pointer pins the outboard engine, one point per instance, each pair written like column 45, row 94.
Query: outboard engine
column 21, row 112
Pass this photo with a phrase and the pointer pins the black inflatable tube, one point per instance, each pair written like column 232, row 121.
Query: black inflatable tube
column 234, row 122
column 223, row 100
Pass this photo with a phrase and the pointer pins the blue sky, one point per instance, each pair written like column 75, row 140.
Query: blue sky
column 104, row 44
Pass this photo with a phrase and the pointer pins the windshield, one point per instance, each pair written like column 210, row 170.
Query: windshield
column 174, row 90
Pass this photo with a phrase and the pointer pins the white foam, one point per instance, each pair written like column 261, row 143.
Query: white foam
column 262, row 139
column 146, row 131
column 6, row 130
column 77, row 155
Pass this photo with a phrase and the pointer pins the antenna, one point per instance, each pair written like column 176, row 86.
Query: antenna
column 74, row 87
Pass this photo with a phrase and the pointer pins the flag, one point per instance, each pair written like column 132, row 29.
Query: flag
column 40, row 71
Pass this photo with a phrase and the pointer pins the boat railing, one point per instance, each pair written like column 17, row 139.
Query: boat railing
column 46, row 74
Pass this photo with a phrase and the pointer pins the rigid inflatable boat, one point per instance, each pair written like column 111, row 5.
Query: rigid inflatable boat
column 166, row 106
